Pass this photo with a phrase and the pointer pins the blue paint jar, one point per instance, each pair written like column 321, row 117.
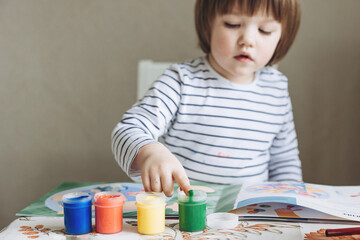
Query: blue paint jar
column 77, row 213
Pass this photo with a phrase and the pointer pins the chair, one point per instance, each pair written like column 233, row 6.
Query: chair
column 148, row 72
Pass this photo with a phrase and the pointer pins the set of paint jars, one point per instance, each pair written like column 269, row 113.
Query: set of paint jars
column 108, row 212
column 150, row 212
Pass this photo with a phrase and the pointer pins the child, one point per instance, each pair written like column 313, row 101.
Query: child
column 224, row 118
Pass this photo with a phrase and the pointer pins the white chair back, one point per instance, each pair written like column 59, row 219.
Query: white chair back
column 148, row 72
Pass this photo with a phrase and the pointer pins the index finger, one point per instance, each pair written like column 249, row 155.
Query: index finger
column 183, row 181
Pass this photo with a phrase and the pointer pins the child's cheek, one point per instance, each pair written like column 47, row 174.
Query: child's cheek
column 222, row 44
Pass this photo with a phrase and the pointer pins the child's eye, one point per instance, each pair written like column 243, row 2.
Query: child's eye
column 264, row 32
column 229, row 25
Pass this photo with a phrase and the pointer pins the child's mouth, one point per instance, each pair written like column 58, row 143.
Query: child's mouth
column 243, row 58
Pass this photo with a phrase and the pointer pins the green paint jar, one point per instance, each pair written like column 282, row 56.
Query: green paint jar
column 192, row 211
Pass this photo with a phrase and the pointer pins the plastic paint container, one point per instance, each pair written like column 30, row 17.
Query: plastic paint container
column 77, row 213
column 222, row 220
column 108, row 212
column 151, row 213
column 192, row 211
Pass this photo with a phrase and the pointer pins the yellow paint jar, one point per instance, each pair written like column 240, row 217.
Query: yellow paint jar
column 150, row 213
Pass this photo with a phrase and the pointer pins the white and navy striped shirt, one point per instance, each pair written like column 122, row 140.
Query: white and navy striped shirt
column 221, row 132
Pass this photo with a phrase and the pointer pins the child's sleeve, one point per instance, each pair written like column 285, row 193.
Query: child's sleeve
column 284, row 163
column 147, row 120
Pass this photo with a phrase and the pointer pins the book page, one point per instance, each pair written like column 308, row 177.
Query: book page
column 339, row 201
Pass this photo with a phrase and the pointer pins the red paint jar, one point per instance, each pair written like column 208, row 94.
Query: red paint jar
column 108, row 212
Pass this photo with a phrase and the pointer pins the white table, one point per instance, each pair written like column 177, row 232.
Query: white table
column 53, row 228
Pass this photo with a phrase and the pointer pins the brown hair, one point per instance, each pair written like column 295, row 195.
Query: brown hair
column 287, row 12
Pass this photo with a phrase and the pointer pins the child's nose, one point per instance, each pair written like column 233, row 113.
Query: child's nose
column 246, row 38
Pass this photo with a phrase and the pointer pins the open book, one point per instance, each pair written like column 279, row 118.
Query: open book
column 269, row 200
column 298, row 202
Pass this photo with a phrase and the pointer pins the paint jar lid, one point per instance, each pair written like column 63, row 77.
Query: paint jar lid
column 108, row 199
column 148, row 198
column 195, row 196
column 76, row 200
column 222, row 220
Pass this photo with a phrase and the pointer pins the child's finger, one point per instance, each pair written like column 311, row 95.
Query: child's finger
column 183, row 181
column 155, row 183
column 167, row 185
column 145, row 181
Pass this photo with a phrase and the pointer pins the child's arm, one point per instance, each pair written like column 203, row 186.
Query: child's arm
column 284, row 163
column 134, row 139
column 159, row 169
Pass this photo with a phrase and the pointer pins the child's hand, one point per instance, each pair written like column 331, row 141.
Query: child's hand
column 159, row 169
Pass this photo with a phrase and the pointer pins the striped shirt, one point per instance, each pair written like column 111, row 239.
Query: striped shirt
column 220, row 131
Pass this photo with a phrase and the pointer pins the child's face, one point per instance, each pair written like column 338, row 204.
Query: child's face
column 242, row 44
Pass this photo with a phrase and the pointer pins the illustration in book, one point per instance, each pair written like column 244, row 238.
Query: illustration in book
column 51, row 203
column 298, row 201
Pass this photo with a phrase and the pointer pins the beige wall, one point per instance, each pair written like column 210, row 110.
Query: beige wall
column 68, row 73
column 324, row 80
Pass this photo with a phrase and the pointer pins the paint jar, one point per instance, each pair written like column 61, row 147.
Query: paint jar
column 77, row 213
column 192, row 210
column 151, row 213
column 108, row 212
